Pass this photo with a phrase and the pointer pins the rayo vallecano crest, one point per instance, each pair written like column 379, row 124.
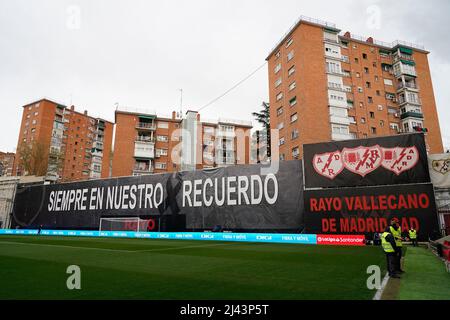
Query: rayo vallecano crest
column 364, row 160
column 328, row 164
column 441, row 166
column 399, row 159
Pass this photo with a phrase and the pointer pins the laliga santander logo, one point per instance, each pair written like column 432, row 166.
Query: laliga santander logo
column 364, row 160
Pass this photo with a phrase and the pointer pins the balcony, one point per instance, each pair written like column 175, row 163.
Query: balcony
column 142, row 168
column 401, row 56
column 341, row 136
column 337, row 72
column 97, row 153
column 98, row 145
column 405, row 100
column 410, row 114
column 407, row 85
column 145, row 139
column 339, row 120
column 144, row 150
column 146, row 126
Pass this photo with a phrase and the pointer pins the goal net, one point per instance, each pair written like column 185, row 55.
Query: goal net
column 124, row 224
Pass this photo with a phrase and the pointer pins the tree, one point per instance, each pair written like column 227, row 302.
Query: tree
column 263, row 117
column 35, row 158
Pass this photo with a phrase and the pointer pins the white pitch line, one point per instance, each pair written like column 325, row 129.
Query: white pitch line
column 380, row 291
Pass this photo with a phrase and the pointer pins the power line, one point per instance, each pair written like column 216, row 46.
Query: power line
column 233, row 87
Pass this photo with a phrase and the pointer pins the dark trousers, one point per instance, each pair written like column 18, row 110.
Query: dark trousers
column 391, row 259
column 398, row 259
column 414, row 242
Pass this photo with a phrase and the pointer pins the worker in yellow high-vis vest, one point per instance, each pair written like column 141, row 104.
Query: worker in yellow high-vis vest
column 413, row 236
column 390, row 249
column 396, row 231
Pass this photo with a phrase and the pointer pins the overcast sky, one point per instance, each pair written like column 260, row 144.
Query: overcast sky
column 96, row 53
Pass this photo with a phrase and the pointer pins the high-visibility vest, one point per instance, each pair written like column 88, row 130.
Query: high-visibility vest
column 397, row 236
column 387, row 246
column 412, row 234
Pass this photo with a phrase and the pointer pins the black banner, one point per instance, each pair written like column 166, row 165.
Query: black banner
column 367, row 210
column 391, row 160
column 238, row 197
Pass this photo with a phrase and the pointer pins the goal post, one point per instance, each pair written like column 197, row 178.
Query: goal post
column 123, row 224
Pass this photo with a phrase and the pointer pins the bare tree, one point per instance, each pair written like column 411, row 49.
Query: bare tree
column 35, row 158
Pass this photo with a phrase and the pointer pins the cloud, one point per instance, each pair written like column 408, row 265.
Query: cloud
column 96, row 52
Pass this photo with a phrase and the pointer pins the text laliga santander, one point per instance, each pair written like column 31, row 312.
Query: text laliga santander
column 370, row 203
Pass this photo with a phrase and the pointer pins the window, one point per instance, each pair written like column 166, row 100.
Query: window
column 372, row 115
column 373, row 130
column 161, row 165
column 378, row 93
column 294, row 134
column 339, row 129
column 278, row 82
column 292, row 86
column 360, row 90
column 368, row 85
column 363, row 120
column 162, row 138
column 282, row 157
column 291, row 71
column 290, row 55
column 366, row 70
column 161, row 152
column 278, row 54
column 352, row 119
column 280, row 125
column 293, row 101
column 33, row 122
column 279, row 111
column 282, row 141
column 370, row 99
column 356, row 60
column 289, row 42
column 163, row 125
column 380, row 107
column 381, row 123
column 358, row 75
column 376, row 78
column 374, row 64
column 364, row 56
column 294, row 117
column 279, row 96
column 277, row 68
column 353, row 135
column 388, row 82
column 296, row 153
column 394, row 126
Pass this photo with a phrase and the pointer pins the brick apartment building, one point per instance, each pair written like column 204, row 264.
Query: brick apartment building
column 146, row 143
column 6, row 163
column 80, row 143
column 325, row 85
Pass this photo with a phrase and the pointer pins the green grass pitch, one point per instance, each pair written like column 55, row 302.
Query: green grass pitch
column 35, row 268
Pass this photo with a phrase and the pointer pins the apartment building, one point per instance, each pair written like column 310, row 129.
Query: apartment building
column 146, row 143
column 77, row 146
column 328, row 85
column 6, row 163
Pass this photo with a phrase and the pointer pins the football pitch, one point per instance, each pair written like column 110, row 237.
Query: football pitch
column 34, row 267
